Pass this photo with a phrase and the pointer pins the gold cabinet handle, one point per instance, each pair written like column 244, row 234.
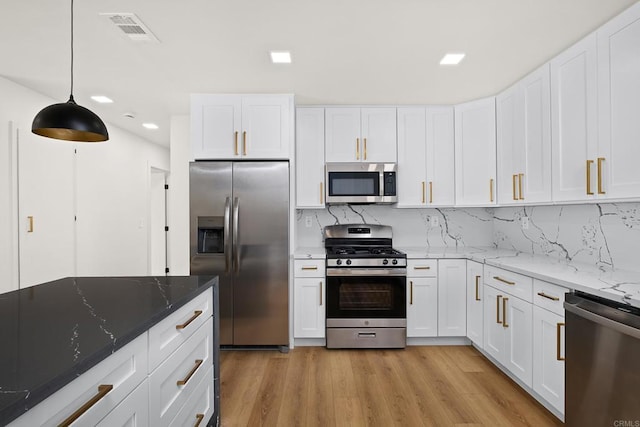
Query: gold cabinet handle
column 504, row 312
column 365, row 148
column 311, row 267
column 477, row 288
column 411, row 293
column 498, row 309
column 191, row 319
column 30, row 228
column 191, row 372
column 491, row 190
column 520, row 176
column 422, row 267
column 236, row 142
column 424, row 189
column 430, row 191
column 321, row 192
column 357, row 148
column 559, row 342
column 513, row 186
column 199, row 418
column 103, row 390
column 600, row 190
column 500, row 279
column 244, row 143
column 552, row 298
column 320, row 293
column 589, row 163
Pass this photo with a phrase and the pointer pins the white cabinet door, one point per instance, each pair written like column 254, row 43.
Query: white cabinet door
column 534, row 183
column 266, row 126
column 518, row 324
column 573, row 121
column 422, row 307
column 310, row 157
column 342, row 134
column 440, row 157
column 548, row 356
column 475, row 152
column 216, row 126
column 509, row 145
column 452, row 291
column 494, row 336
column 412, row 155
column 475, row 299
column 379, row 135
column 309, row 309
column 618, row 174
column 133, row 411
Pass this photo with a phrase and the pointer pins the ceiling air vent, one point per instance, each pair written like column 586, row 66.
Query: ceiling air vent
column 131, row 26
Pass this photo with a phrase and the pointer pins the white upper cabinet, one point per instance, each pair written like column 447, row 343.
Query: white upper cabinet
column 412, row 155
column 617, row 174
column 524, row 140
column 241, row 126
column 475, row 153
column 573, row 121
column 310, row 157
column 440, row 157
column 355, row 134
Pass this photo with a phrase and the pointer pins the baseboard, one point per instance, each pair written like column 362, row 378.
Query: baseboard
column 438, row 341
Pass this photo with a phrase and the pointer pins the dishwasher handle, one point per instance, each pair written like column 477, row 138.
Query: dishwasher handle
column 601, row 318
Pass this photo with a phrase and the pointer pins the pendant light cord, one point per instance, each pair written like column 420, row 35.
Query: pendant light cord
column 71, row 49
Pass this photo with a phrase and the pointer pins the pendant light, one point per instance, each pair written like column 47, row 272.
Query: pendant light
column 68, row 120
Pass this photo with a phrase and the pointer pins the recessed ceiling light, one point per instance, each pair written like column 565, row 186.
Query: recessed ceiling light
column 282, row 57
column 150, row 125
column 452, row 59
column 102, row 99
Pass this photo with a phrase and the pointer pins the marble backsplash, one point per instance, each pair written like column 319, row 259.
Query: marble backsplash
column 605, row 235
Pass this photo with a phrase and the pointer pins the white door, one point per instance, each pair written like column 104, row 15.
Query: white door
column 157, row 223
column 617, row 168
column 342, row 134
column 518, row 325
column 412, row 154
column 573, row 121
column 265, row 126
column 309, row 309
column 475, row 299
column 310, row 158
column 440, row 157
column 452, row 298
column 379, row 135
column 9, row 264
column 215, row 126
column 548, row 356
column 494, row 335
column 46, row 172
column 509, row 145
column 422, row 307
column 475, row 152
column 534, row 180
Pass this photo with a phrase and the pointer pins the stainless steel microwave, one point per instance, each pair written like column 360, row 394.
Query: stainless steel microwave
column 361, row 183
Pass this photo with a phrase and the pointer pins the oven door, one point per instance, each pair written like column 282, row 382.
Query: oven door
column 366, row 296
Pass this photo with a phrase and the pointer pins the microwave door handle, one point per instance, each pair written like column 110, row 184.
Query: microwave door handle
column 236, row 226
column 227, row 227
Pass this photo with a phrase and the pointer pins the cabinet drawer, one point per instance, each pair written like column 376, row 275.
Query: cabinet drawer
column 174, row 381
column 549, row 296
column 132, row 411
column 422, row 267
column 309, row 268
column 199, row 407
column 173, row 331
column 511, row 283
column 123, row 370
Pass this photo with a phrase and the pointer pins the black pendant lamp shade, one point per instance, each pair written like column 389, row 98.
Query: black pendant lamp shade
column 69, row 121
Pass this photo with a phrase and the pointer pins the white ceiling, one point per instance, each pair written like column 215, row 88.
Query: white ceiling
column 344, row 51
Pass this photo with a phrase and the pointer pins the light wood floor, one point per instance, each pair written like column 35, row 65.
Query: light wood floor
column 313, row 386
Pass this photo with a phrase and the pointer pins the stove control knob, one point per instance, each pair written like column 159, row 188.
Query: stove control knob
column 394, row 262
column 348, row 262
column 385, row 261
column 339, row 262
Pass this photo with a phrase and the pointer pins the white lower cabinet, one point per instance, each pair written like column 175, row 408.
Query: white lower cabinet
column 198, row 410
column 133, row 411
column 309, row 294
column 474, row 303
column 452, row 290
column 422, row 307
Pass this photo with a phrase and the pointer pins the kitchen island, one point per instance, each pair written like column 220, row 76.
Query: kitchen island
column 55, row 334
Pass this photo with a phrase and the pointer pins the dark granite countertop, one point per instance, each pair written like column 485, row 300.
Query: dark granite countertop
column 52, row 333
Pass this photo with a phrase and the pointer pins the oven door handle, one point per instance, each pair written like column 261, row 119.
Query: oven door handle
column 385, row 272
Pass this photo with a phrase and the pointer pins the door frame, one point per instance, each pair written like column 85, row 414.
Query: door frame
column 153, row 220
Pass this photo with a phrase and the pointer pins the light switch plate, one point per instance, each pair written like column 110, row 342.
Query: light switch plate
column 524, row 222
column 307, row 221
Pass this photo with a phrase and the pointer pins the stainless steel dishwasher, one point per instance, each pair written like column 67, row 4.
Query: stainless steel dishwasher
column 602, row 345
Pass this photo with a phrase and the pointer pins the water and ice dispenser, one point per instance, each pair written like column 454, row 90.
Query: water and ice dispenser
column 210, row 235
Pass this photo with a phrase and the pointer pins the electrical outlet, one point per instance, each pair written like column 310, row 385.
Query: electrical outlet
column 524, row 222
column 434, row 221
column 307, row 221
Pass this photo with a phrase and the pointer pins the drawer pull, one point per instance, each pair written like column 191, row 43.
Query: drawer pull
column 313, row 267
column 422, row 267
column 543, row 295
column 190, row 374
column 500, row 279
column 199, row 418
column 191, row 319
column 103, row 390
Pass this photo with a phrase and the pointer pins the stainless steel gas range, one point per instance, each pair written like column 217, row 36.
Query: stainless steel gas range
column 366, row 288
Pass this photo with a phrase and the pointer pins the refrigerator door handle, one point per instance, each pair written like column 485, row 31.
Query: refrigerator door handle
column 236, row 250
column 227, row 227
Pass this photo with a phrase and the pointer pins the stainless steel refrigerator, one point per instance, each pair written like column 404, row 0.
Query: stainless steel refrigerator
column 239, row 214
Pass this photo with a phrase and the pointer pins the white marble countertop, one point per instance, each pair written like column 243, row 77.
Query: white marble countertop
column 621, row 286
